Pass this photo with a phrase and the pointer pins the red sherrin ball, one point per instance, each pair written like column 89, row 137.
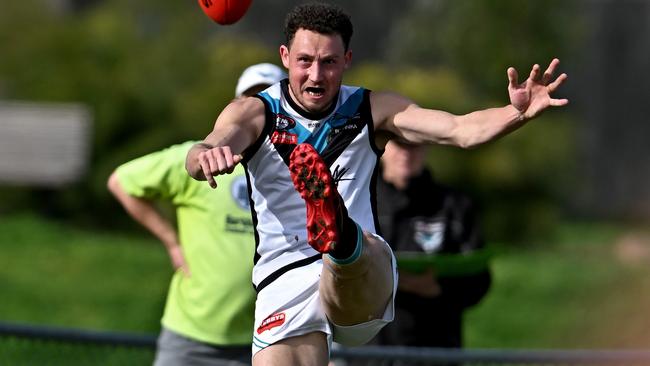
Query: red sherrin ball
column 225, row 12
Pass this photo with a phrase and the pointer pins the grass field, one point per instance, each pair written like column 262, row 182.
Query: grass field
column 586, row 288
column 55, row 274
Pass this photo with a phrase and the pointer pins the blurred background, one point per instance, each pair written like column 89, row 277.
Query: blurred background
column 565, row 201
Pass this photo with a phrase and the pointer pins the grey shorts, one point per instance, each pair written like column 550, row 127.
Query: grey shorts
column 176, row 350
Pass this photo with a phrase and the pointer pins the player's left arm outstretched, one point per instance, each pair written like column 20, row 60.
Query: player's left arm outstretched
column 406, row 120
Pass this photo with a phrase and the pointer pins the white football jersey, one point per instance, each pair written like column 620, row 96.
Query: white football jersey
column 344, row 137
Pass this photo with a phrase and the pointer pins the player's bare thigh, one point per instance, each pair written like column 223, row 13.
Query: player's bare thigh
column 358, row 292
column 306, row 350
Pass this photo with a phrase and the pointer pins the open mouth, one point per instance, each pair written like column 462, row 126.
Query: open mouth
column 315, row 91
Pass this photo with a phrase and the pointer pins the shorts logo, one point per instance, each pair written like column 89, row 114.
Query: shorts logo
column 286, row 138
column 271, row 322
column 284, row 122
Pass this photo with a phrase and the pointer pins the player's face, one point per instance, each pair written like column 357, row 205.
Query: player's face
column 316, row 63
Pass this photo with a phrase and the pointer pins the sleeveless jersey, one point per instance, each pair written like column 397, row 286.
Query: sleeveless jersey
column 344, row 138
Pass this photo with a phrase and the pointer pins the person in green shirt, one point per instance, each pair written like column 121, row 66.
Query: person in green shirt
column 209, row 313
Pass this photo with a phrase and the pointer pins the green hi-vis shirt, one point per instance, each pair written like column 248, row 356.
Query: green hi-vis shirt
column 216, row 303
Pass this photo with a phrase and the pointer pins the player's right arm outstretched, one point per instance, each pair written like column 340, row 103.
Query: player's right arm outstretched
column 236, row 128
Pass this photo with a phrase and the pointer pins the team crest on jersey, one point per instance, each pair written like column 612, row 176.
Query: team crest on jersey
column 284, row 122
column 283, row 137
column 271, row 322
column 428, row 234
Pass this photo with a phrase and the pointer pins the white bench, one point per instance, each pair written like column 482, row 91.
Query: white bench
column 43, row 144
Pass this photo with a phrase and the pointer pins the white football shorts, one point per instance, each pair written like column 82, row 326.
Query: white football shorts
column 290, row 306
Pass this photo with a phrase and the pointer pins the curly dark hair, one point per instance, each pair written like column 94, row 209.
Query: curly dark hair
column 319, row 17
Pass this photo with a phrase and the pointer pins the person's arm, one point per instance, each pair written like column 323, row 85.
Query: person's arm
column 236, row 128
column 423, row 284
column 144, row 212
column 406, row 120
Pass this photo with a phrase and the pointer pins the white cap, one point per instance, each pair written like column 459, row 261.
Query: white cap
column 259, row 74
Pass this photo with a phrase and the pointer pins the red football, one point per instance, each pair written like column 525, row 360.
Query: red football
column 225, row 12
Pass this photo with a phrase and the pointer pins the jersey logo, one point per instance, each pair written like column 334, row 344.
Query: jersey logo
column 284, row 122
column 285, row 138
column 271, row 322
column 338, row 173
column 350, row 127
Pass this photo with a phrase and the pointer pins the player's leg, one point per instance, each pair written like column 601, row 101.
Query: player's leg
column 290, row 325
column 360, row 291
column 357, row 278
column 306, row 350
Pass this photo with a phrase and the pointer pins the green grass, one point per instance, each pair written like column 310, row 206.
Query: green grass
column 15, row 351
column 578, row 291
column 58, row 275
column 583, row 289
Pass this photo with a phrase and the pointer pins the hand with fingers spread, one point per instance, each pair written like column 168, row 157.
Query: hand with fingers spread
column 215, row 161
column 533, row 96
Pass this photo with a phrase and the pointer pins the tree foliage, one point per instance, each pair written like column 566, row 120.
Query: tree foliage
column 481, row 39
column 152, row 73
column 157, row 73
